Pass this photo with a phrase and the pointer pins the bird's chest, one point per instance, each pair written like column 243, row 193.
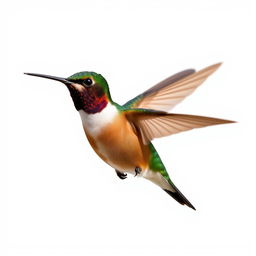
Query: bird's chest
column 113, row 138
column 95, row 124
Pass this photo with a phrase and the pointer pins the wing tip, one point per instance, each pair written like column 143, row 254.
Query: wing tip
column 218, row 64
column 231, row 121
column 225, row 121
column 212, row 68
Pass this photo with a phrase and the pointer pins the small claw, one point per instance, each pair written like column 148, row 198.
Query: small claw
column 121, row 175
column 137, row 171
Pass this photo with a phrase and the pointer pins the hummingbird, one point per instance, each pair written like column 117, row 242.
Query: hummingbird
column 122, row 135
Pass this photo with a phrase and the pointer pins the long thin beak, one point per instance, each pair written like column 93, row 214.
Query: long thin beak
column 60, row 79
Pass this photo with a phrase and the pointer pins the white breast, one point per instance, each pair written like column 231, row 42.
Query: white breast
column 93, row 123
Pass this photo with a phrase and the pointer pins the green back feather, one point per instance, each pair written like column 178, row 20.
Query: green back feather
column 156, row 164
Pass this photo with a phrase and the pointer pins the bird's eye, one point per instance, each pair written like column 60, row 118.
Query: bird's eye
column 87, row 82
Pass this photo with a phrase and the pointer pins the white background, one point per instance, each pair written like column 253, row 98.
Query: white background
column 60, row 198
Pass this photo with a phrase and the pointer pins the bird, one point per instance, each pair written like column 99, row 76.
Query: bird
column 122, row 135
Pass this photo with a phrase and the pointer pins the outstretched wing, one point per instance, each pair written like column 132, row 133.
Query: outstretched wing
column 156, row 124
column 171, row 91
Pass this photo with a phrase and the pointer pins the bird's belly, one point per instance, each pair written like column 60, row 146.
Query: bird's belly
column 119, row 146
column 123, row 154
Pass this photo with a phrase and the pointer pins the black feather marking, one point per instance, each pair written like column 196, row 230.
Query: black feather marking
column 179, row 197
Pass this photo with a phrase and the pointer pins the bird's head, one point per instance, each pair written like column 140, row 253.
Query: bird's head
column 88, row 90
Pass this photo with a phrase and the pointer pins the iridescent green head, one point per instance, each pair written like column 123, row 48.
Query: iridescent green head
column 90, row 79
column 89, row 90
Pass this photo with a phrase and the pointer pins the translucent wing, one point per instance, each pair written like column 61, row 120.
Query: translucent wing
column 165, row 95
column 159, row 124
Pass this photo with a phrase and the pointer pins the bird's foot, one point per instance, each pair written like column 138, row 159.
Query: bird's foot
column 121, row 175
column 137, row 171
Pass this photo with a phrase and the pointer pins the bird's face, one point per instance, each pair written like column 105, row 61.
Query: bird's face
column 88, row 90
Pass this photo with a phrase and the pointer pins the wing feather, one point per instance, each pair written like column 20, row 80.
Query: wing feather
column 159, row 124
column 168, row 93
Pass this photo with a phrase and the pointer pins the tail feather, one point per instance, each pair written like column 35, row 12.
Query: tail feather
column 158, row 175
column 179, row 197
